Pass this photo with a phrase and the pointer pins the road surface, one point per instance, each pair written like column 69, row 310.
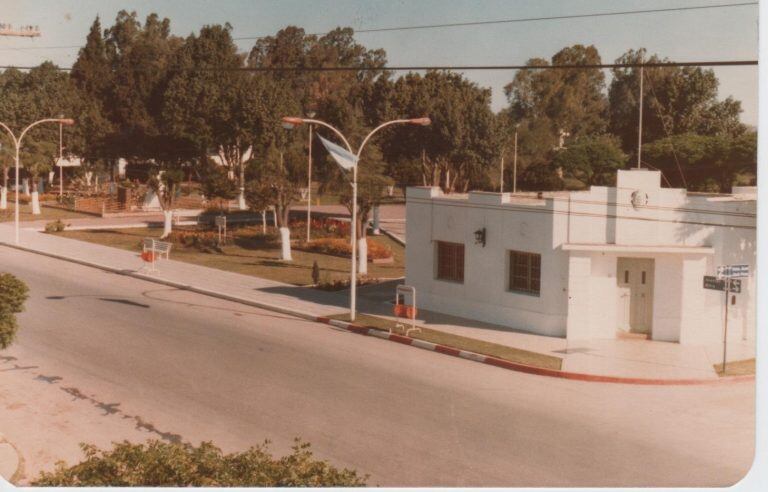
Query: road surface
column 102, row 357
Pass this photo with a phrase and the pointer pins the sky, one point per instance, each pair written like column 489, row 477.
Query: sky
column 713, row 34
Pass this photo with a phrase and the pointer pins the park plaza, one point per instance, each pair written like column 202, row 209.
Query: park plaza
column 607, row 262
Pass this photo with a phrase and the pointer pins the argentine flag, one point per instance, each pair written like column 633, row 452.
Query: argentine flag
column 342, row 156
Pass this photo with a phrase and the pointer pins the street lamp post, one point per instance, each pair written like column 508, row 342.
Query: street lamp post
column 17, row 144
column 311, row 114
column 291, row 121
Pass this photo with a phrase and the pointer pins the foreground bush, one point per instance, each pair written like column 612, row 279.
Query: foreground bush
column 162, row 464
column 13, row 294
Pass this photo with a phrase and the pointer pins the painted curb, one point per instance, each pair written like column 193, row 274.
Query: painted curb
column 515, row 366
column 393, row 337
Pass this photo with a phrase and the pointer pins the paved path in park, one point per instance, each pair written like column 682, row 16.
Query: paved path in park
column 103, row 357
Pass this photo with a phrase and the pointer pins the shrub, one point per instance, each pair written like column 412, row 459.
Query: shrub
column 55, row 226
column 13, row 294
column 161, row 464
column 343, row 283
column 341, row 247
column 205, row 241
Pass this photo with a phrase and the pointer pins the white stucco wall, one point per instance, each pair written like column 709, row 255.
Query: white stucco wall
column 580, row 237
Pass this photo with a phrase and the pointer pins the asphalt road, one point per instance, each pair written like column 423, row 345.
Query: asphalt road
column 196, row 368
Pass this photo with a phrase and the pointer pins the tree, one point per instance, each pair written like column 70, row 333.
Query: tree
column 43, row 92
column 275, row 182
column 460, row 143
column 92, row 76
column 549, row 102
column 215, row 182
column 13, row 294
column 343, row 99
column 210, row 103
column 142, row 58
column 593, row 160
column 545, row 105
column 371, row 187
column 676, row 100
column 161, row 464
column 703, row 162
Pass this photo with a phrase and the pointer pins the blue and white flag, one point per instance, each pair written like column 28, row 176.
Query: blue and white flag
column 342, row 156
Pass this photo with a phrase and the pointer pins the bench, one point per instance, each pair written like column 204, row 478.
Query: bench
column 153, row 249
column 159, row 248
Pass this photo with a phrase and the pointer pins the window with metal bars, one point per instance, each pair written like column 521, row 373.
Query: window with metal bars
column 450, row 261
column 524, row 272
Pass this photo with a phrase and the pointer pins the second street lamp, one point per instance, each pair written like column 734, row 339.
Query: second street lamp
column 290, row 122
column 17, row 144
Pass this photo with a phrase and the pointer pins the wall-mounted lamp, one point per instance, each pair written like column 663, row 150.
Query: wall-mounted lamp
column 480, row 237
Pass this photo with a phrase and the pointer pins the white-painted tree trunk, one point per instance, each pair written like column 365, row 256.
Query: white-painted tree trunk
column 241, row 200
column 51, row 175
column 362, row 256
column 3, row 198
column 88, row 178
column 285, row 243
column 263, row 221
column 36, row 203
column 167, row 223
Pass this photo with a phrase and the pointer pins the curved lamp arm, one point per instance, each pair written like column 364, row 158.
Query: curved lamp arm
column 424, row 121
column 63, row 121
column 298, row 121
column 10, row 132
column 383, row 125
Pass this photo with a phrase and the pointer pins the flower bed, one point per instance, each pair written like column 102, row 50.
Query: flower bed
column 321, row 228
column 338, row 246
column 200, row 239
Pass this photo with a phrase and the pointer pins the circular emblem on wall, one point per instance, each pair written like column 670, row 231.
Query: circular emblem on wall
column 639, row 199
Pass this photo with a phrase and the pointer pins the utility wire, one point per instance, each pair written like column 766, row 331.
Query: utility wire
column 478, row 23
column 401, row 68
column 514, row 208
column 666, row 130
column 532, row 19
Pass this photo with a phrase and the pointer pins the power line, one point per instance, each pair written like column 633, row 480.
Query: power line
column 532, row 19
column 401, row 68
column 514, row 208
column 477, row 23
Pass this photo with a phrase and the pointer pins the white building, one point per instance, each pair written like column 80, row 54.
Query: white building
column 586, row 264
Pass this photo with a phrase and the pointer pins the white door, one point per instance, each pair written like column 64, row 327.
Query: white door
column 634, row 282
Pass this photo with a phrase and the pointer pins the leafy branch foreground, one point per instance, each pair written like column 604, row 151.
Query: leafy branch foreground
column 13, row 294
column 161, row 464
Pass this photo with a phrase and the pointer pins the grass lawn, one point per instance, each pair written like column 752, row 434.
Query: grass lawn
column 48, row 213
column 464, row 343
column 250, row 254
column 737, row 368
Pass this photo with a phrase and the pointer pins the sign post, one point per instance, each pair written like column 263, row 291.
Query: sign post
column 725, row 323
column 221, row 224
column 728, row 281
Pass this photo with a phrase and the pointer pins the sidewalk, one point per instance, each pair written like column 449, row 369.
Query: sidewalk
column 616, row 358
